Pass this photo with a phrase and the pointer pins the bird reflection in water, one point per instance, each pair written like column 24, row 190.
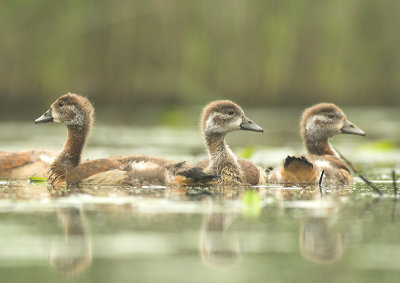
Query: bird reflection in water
column 71, row 254
column 321, row 240
column 219, row 244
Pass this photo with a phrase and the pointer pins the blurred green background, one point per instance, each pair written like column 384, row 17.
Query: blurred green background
column 127, row 56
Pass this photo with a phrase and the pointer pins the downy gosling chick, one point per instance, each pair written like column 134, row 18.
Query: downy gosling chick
column 318, row 123
column 76, row 112
column 217, row 120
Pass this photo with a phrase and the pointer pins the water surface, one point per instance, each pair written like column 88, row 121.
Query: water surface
column 255, row 234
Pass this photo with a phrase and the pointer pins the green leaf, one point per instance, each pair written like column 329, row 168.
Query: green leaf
column 247, row 152
column 37, row 180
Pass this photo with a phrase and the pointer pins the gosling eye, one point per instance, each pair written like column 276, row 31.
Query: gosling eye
column 60, row 104
column 331, row 116
column 231, row 113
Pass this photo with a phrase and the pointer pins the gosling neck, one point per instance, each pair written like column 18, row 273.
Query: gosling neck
column 222, row 161
column 70, row 156
column 317, row 145
column 76, row 140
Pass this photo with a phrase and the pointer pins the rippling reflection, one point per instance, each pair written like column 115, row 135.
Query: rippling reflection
column 320, row 239
column 223, row 233
column 72, row 253
column 219, row 245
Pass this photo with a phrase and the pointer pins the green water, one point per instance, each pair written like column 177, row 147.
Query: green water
column 157, row 234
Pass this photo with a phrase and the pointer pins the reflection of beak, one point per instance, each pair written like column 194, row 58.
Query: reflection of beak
column 249, row 125
column 350, row 128
column 45, row 118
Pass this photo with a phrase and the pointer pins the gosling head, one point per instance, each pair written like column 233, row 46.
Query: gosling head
column 224, row 116
column 325, row 120
column 70, row 109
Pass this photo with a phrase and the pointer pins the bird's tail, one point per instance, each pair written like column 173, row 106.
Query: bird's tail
column 299, row 170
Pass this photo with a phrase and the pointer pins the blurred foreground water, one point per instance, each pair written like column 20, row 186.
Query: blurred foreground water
column 269, row 233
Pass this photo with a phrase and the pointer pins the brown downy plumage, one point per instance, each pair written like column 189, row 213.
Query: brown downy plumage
column 319, row 123
column 218, row 119
column 25, row 164
column 76, row 113
column 184, row 173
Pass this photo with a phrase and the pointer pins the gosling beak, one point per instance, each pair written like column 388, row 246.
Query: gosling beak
column 249, row 125
column 350, row 128
column 46, row 117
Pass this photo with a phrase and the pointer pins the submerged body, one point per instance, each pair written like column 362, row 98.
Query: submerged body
column 319, row 123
